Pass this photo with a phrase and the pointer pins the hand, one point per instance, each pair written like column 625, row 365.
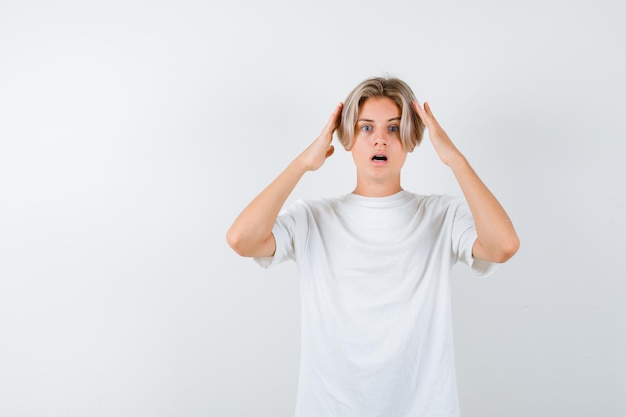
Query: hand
column 438, row 137
column 314, row 156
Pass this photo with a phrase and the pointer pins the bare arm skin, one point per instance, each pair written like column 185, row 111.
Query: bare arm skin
column 251, row 233
column 497, row 240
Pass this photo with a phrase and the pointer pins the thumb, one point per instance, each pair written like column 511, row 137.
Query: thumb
column 330, row 151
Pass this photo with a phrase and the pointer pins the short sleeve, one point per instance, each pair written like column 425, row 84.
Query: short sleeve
column 284, row 232
column 463, row 238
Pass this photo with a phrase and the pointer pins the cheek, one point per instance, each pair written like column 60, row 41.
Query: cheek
column 358, row 154
column 357, row 136
column 356, row 145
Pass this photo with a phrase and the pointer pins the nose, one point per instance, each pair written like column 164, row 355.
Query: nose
column 380, row 140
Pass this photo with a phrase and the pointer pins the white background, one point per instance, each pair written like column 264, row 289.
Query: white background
column 133, row 132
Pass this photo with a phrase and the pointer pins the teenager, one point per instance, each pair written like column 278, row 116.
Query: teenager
column 375, row 263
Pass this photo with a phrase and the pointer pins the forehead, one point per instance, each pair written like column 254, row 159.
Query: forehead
column 379, row 108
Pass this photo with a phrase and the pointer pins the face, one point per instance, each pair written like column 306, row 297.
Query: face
column 377, row 150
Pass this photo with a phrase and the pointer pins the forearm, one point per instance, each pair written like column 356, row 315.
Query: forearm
column 497, row 240
column 250, row 232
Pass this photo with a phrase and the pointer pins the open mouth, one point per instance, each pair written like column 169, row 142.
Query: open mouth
column 379, row 158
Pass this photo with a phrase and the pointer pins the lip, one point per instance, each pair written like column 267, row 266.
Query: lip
column 379, row 162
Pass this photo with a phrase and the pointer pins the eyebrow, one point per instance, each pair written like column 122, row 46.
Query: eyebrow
column 369, row 120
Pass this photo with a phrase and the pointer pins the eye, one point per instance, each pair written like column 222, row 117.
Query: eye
column 366, row 128
column 394, row 128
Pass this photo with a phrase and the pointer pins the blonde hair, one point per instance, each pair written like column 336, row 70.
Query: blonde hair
column 411, row 126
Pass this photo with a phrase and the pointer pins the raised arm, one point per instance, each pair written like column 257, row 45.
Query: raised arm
column 251, row 233
column 497, row 240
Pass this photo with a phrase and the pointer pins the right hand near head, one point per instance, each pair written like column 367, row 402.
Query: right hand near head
column 314, row 156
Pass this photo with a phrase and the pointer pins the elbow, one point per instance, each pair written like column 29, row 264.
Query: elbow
column 236, row 242
column 508, row 249
column 498, row 252
column 244, row 244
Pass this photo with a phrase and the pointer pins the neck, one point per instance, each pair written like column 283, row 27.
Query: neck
column 374, row 189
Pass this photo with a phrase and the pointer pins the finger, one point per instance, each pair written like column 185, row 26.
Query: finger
column 333, row 120
column 428, row 110
column 417, row 107
column 427, row 118
column 330, row 151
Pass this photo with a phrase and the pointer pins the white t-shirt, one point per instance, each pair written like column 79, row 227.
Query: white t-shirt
column 375, row 295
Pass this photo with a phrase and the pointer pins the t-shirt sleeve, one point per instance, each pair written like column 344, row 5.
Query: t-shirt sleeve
column 284, row 231
column 463, row 238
